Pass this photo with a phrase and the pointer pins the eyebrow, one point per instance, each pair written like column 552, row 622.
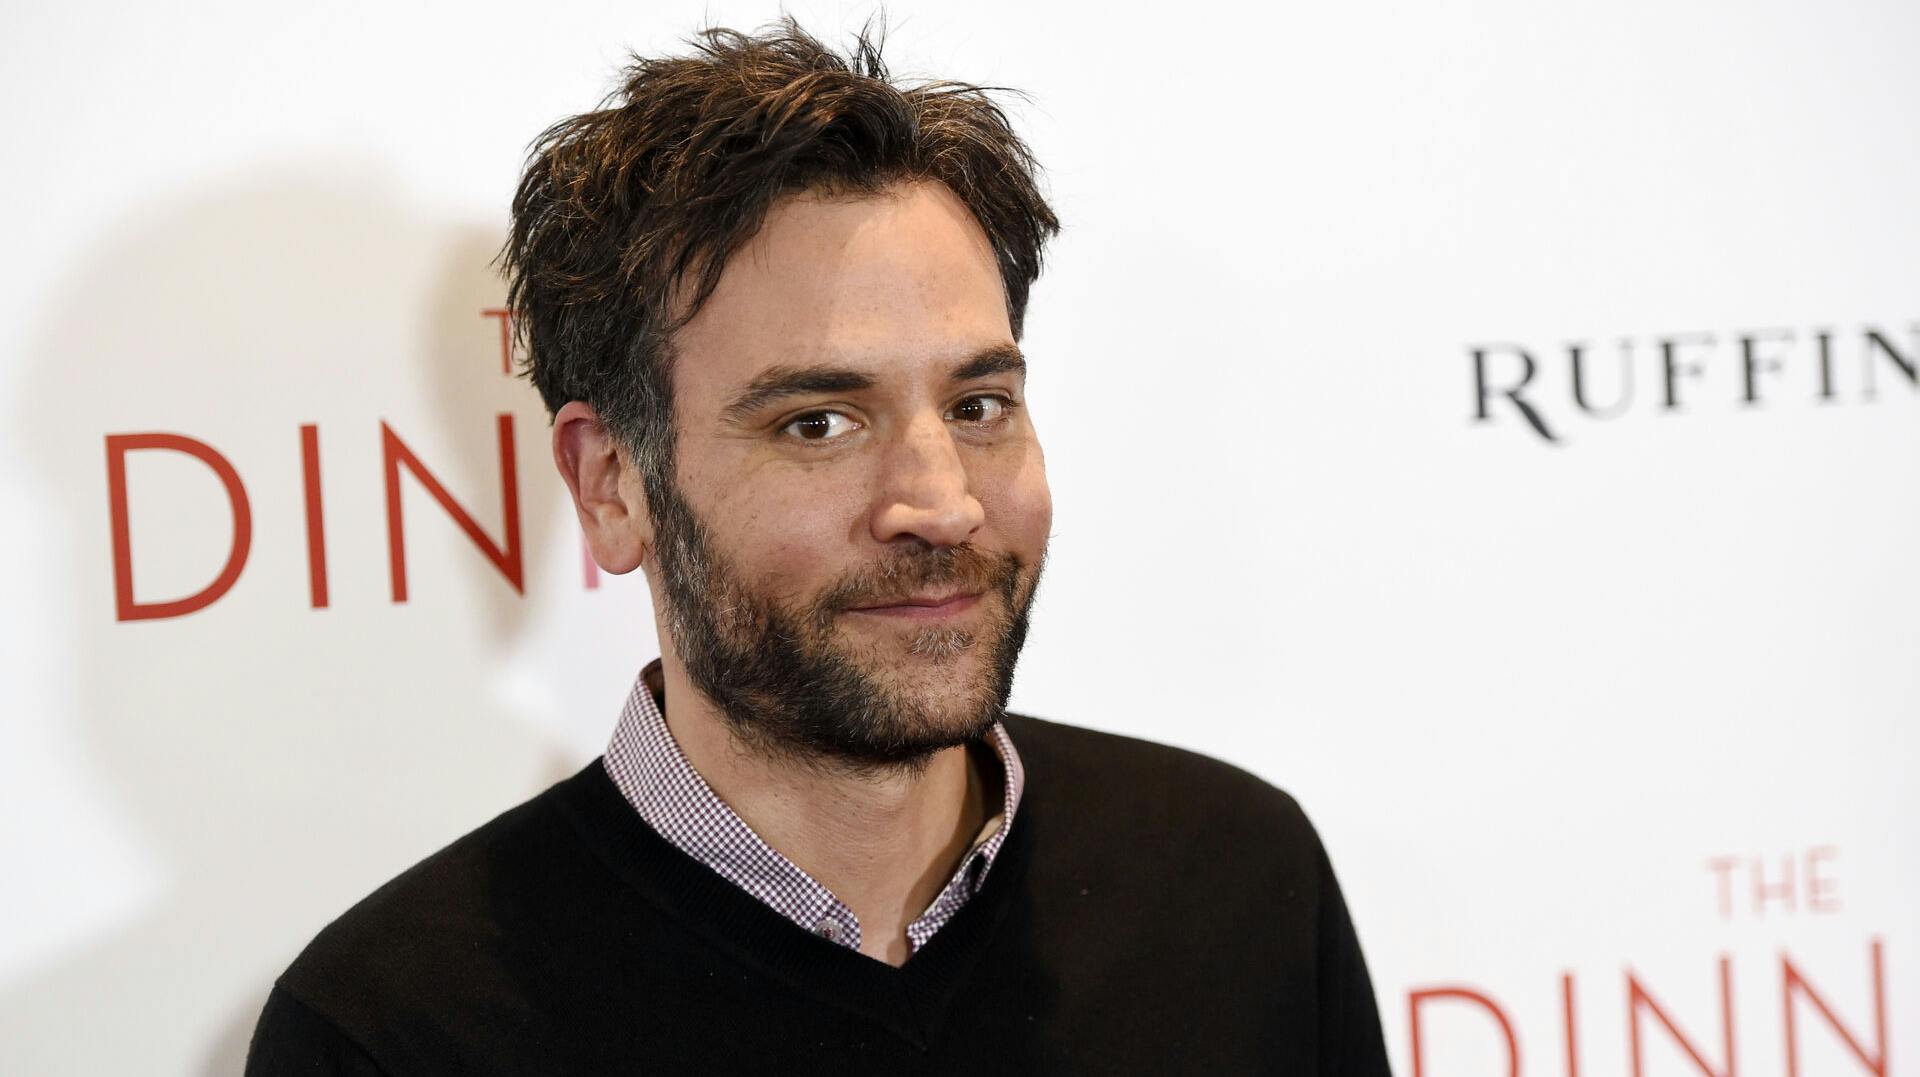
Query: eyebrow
column 779, row 382
column 998, row 359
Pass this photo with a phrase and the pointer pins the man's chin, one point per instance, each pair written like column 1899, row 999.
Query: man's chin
column 939, row 733
column 951, row 699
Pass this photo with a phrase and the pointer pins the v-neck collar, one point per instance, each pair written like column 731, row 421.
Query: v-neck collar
column 910, row 1001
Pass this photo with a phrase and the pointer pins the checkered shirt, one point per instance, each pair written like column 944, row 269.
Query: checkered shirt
column 660, row 782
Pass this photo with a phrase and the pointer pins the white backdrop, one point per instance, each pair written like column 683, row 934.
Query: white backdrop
column 1580, row 720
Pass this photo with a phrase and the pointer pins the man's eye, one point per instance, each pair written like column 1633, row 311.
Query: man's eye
column 820, row 426
column 983, row 410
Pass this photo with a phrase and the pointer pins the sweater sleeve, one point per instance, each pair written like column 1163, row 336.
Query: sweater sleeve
column 291, row 1038
column 1351, row 1044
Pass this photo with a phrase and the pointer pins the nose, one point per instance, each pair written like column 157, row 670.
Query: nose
column 924, row 491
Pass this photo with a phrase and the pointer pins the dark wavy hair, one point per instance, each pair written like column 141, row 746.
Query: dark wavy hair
column 626, row 215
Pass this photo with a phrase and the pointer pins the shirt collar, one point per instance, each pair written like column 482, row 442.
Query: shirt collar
column 656, row 777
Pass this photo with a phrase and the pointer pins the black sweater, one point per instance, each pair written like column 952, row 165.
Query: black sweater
column 1152, row 912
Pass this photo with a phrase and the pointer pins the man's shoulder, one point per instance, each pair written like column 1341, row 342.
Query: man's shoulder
column 1150, row 787
column 447, row 914
column 1142, row 842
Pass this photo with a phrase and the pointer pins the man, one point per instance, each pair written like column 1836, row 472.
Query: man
column 772, row 300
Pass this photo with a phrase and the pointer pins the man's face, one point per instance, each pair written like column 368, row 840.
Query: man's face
column 860, row 512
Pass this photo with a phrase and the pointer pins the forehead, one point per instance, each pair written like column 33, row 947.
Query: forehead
column 897, row 284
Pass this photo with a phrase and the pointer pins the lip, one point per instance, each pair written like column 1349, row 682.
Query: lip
column 924, row 607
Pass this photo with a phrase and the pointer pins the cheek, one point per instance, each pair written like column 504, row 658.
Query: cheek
column 1021, row 506
column 784, row 533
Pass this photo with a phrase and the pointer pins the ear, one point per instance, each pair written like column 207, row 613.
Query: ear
column 606, row 488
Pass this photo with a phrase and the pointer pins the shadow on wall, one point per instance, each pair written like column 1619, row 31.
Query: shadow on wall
column 275, row 761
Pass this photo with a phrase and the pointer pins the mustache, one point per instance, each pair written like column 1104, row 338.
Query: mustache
column 903, row 573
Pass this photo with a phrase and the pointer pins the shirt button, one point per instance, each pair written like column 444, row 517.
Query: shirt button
column 828, row 929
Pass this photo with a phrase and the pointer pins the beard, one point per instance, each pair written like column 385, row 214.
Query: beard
column 791, row 685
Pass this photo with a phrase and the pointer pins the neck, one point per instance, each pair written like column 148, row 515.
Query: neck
column 883, row 841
